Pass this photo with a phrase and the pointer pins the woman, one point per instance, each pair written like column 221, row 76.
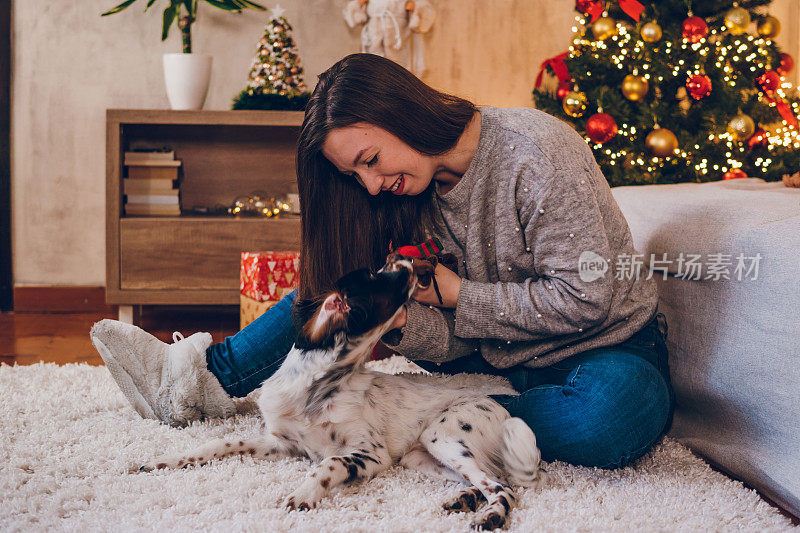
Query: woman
column 517, row 196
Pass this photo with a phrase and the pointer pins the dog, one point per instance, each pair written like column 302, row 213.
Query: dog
column 324, row 404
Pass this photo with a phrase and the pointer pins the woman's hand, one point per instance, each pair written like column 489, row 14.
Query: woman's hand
column 400, row 319
column 449, row 285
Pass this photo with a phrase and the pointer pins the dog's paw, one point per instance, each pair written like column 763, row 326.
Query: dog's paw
column 305, row 497
column 135, row 468
column 149, row 467
column 293, row 503
column 160, row 464
column 466, row 500
column 488, row 520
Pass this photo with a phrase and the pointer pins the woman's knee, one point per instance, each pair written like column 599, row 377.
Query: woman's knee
column 613, row 407
column 627, row 404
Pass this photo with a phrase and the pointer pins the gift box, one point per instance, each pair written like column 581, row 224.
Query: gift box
column 265, row 278
column 266, row 275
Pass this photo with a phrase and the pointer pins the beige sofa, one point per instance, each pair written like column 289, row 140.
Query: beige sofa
column 734, row 343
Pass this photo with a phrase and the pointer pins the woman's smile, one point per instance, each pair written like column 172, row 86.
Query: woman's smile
column 372, row 155
column 398, row 186
column 378, row 160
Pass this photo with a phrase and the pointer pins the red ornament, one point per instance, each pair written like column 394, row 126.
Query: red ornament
column 694, row 29
column 734, row 173
column 770, row 81
column 601, row 127
column 583, row 6
column 563, row 89
column 758, row 140
column 787, row 64
column 699, row 86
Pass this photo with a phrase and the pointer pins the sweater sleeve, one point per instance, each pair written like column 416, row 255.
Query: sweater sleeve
column 428, row 335
column 563, row 227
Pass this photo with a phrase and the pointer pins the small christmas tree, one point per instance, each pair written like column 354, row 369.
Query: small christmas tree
column 276, row 77
column 677, row 91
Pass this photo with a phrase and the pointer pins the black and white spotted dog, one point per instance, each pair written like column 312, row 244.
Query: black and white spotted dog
column 324, row 404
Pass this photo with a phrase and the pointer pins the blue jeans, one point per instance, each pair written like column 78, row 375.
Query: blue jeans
column 604, row 407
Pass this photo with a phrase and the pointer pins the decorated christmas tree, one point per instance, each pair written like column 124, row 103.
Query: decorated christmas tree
column 677, row 90
column 276, row 77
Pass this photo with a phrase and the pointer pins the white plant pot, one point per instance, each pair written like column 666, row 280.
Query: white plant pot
column 186, row 77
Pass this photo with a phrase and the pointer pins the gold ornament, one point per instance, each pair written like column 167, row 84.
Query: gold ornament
column 651, row 32
column 604, row 27
column 769, row 27
column 574, row 103
column 741, row 127
column 634, row 87
column 661, row 142
column 737, row 19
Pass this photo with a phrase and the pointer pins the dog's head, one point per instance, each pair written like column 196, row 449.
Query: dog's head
column 361, row 308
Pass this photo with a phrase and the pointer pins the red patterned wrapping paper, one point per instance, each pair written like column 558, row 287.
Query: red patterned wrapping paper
column 268, row 275
column 265, row 278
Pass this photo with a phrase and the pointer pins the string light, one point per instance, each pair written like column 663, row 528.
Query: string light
column 628, row 52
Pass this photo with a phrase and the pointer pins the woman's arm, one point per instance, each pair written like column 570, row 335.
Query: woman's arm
column 428, row 335
column 552, row 293
column 560, row 292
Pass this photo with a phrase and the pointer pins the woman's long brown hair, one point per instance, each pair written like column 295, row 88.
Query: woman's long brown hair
column 343, row 227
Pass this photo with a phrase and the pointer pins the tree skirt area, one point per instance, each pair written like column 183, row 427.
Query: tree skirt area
column 68, row 438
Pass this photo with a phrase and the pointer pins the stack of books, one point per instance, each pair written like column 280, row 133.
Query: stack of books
column 151, row 187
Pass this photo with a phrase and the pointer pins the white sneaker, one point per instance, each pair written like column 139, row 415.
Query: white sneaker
column 167, row 382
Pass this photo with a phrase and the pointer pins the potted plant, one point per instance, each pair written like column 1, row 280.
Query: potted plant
column 186, row 74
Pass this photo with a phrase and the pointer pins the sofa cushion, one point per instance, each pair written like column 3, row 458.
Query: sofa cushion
column 734, row 343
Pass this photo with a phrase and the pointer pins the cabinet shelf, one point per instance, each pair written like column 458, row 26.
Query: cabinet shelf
column 193, row 259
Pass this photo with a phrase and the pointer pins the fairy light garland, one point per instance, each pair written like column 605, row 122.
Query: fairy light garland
column 626, row 51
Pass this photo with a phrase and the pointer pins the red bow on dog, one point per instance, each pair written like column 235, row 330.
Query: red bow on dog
column 425, row 257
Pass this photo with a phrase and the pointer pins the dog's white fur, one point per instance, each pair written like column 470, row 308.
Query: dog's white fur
column 326, row 405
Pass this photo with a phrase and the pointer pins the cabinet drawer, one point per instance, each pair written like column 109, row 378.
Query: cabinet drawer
column 195, row 253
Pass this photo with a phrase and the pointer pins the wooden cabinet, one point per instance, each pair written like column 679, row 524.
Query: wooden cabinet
column 187, row 259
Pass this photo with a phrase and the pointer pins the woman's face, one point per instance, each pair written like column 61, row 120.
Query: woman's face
column 378, row 160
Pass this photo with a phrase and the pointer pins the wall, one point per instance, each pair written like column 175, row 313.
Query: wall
column 69, row 65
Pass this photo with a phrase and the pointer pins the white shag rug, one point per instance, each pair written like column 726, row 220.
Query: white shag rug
column 68, row 438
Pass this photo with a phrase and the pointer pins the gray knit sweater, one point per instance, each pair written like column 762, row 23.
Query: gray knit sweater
column 532, row 201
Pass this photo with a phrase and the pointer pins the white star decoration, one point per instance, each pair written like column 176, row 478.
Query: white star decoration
column 277, row 12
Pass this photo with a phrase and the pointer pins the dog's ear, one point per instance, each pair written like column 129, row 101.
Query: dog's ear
column 302, row 310
column 316, row 321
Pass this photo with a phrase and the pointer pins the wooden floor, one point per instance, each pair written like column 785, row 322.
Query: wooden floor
column 27, row 338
